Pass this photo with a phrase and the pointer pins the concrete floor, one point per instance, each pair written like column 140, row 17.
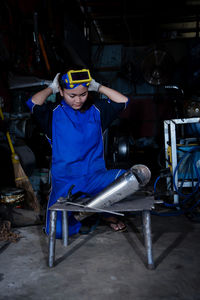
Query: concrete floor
column 105, row 264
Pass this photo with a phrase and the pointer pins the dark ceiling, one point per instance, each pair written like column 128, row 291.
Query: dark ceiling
column 131, row 22
column 69, row 28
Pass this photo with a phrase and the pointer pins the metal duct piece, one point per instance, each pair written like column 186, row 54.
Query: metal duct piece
column 126, row 185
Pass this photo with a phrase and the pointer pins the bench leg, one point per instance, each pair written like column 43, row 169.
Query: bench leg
column 52, row 237
column 64, row 228
column 146, row 216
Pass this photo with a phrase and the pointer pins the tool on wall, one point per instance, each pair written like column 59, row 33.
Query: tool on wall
column 44, row 53
column 36, row 38
column 21, row 179
column 39, row 44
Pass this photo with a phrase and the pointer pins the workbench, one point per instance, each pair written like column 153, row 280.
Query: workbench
column 135, row 203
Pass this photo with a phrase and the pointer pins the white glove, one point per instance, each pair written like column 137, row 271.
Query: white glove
column 94, row 86
column 55, row 85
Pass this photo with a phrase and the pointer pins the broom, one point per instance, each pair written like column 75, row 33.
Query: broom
column 21, row 180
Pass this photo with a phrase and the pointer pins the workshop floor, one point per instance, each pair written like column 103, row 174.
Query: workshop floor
column 105, row 264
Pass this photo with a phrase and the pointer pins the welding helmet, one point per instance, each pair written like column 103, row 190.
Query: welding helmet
column 74, row 78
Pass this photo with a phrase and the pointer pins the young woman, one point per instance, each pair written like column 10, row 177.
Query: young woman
column 75, row 130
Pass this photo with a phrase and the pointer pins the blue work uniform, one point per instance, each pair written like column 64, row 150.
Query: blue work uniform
column 76, row 138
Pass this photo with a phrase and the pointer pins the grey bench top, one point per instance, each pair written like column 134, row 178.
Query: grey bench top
column 135, row 202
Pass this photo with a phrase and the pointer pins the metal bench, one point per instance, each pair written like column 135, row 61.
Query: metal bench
column 134, row 203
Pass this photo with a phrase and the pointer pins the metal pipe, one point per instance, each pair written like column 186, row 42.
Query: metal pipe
column 126, row 185
column 64, row 228
column 96, row 209
column 52, row 237
column 147, row 238
column 30, row 84
column 174, row 87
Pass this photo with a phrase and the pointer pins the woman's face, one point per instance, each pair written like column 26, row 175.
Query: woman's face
column 75, row 97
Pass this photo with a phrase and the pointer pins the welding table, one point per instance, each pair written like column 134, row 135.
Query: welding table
column 134, row 203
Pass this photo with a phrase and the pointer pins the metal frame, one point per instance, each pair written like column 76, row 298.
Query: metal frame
column 142, row 204
column 146, row 221
column 170, row 139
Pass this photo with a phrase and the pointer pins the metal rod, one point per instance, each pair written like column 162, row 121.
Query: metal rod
column 174, row 158
column 64, row 228
column 146, row 217
column 97, row 209
column 52, row 237
column 29, row 84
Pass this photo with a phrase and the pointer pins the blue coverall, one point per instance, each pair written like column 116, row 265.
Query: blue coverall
column 76, row 138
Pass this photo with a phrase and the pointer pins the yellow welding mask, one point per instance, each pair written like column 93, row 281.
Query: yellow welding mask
column 74, row 78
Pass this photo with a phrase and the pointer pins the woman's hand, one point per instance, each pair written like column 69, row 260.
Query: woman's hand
column 108, row 92
column 55, row 85
column 94, row 86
